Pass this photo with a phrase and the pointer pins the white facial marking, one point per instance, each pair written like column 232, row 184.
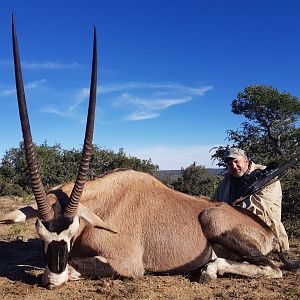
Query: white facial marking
column 54, row 279
column 102, row 259
column 65, row 235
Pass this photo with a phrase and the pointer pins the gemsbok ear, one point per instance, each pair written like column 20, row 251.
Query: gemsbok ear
column 20, row 215
column 92, row 219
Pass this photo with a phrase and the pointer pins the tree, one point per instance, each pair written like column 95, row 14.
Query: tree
column 13, row 170
column 106, row 160
column 272, row 131
column 196, row 180
column 57, row 165
column 291, row 204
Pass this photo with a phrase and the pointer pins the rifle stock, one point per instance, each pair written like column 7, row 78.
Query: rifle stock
column 265, row 178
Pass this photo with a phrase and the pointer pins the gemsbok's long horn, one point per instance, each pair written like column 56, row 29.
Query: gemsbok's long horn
column 72, row 205
column 45, row 210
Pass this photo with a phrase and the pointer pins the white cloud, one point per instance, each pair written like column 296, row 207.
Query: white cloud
column 29, row 86
column 155, row 104
column 7, row 92
column 165, row 88
column 68, row 112
column 53, row 110
column 147, row 108
column 6, row 63
column 135, row 116
column 173, row 158
column 148, row 99
column 48, row 65
column 144, row 85
column 84, row 94
column 34, row 84
column 145, row 100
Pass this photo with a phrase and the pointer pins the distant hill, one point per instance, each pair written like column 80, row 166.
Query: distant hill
column 177, row 173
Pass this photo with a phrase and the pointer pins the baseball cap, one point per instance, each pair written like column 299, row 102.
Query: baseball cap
column 234, row 153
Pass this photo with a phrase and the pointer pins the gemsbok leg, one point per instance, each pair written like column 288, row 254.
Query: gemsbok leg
column 237, row 234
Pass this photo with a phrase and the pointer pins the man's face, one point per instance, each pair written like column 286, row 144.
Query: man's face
column 237, row 166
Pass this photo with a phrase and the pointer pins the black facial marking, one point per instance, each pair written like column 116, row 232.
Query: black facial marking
column 59, row 223
column 57, row 256
column 43, row 249
column 72, row 242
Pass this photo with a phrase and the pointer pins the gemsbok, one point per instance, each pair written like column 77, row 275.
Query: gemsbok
column 127, row 222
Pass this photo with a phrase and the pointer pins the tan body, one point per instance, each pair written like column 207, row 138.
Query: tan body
column 158, row 229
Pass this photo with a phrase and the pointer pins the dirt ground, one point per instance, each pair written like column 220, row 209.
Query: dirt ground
column 21, row 266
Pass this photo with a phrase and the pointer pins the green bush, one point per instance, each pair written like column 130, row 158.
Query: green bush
column 196, row 180
column 57, row 165
column 9, row 188
column 290, row 202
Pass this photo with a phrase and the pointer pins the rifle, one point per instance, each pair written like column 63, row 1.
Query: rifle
column 259, row 179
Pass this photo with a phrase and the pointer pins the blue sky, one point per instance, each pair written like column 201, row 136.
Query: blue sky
column 168, row 70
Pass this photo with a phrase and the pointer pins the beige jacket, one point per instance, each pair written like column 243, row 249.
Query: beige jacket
column 266, row 203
